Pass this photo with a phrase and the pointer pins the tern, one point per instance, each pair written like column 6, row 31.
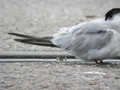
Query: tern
column 93, row 40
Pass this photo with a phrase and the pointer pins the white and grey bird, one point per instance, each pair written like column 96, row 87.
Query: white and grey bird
column 92, row 40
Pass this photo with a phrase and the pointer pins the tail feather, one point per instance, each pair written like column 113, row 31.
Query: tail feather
column 43, row 41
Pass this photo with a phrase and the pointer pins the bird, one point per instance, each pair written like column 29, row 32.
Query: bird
column 93, row 40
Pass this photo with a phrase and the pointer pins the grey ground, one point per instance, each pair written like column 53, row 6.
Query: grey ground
column 42, row 18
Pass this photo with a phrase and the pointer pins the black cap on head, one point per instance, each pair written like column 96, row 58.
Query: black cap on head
column 111, row 13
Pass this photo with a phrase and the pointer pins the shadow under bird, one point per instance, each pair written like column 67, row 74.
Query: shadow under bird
column 93, row 40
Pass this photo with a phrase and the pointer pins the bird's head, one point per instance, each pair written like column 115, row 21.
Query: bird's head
column 113, row 14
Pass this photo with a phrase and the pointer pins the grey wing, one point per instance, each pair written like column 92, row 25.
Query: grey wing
column 86, row 41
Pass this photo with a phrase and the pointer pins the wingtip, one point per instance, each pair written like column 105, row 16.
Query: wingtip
column 12, row 33
column 18, row 40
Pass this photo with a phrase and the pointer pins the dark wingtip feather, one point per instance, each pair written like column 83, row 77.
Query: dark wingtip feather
column 21, row 35
column 44, row 41
column 16, row 34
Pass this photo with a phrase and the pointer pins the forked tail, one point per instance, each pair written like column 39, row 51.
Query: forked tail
column 43, row 41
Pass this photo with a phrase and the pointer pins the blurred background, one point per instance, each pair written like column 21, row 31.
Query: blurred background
column 45, row 17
